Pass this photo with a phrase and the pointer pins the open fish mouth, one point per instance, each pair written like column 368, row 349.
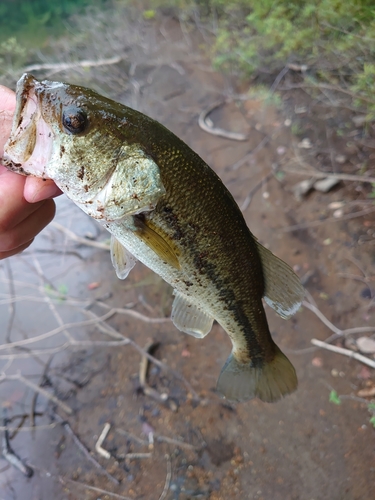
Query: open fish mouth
column 29, row 146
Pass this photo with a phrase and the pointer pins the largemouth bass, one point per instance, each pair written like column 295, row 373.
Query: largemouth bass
column 164, row 206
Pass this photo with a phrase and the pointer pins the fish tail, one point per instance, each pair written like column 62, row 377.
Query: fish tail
column 269, row 382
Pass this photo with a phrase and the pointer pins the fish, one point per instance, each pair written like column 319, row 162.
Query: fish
column 165, row 207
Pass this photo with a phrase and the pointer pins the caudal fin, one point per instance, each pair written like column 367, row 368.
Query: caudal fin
column 270, row 382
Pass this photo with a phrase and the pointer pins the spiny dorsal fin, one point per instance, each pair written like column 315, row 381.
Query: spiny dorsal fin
column 123, row 261
column 283, row 290
column 156, row 242
column 189, row 318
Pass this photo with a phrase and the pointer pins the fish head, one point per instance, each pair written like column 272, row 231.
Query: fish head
column 84, row 143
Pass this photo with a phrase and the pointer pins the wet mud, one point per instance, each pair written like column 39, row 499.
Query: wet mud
column 180, row 441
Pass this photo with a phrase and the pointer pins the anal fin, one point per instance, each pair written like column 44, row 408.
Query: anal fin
column 189, row 318
column 283, row 290
column 123, row 261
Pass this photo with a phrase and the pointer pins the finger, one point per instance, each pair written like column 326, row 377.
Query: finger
column 40, row 189
column 13, row 206
column 28, row 228
column 5, row 255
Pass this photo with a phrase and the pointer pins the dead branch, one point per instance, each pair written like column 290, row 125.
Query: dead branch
column 337, row 331
column 345, row 352
column 36, row 388
column 57, row 67
column 64, row 480
column 43, row 336
column 247, row 157
column 176, row 442
column 98, row 445
column 323, row 175
column 314, row 223
column 82, row 241
column 256, row 188
column 167, row 479
column 9, row 454
column 85, row 450
column 206, row 124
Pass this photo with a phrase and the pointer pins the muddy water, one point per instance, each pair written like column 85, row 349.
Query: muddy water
column 197, row 445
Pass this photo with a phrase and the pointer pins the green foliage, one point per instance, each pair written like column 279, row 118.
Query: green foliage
column 334, row 398
column 12, row 54
column 34, row 18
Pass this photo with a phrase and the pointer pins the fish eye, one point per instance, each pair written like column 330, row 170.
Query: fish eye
column 74, row 120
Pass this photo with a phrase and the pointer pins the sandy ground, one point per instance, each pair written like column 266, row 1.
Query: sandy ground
column 193, row 444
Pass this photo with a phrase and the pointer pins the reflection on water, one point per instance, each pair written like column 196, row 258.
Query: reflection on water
column 48, row 286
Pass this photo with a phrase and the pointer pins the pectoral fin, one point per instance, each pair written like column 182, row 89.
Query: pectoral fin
column 188, row 318
column 283, row 290
column 123, row 261
column 156, row 242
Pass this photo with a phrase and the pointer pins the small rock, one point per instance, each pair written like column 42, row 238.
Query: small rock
column 367, row 393
column 366, row 345
column 288, row 122
column 341, row 159
column 359, row 120
column 325, row 185
column 300, row 110
column 318, row 362
column 302, row 188
column 338, row 213
column 305, row 143
column 281, row 150
column 336, row 204
column 365, row 373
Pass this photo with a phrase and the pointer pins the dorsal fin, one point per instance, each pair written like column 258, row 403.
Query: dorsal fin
column 283, row 290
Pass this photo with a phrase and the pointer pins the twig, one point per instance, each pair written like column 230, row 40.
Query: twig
column 328, row 87
column 42, row 391
column 345, row 352
column 35, row 396
column 12, row 308
column 77, row 64
column 322, row 175
column 259, row 146
column 79, row 239
column 98, row 445
column 314, row 223
column 43, row 336
column 176, row 442
column 132, row 456
column 85, row 450
column 337, row 331
column 93, row 488
column 167, row 479
column 132, row 436
column 147, row 390
column 209, row 128
column 260, row 184
column 321, row 316
column 8, row 453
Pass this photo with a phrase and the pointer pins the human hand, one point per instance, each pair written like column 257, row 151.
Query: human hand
column 26, row 206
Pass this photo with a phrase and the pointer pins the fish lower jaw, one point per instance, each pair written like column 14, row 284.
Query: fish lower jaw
column 29, row 150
